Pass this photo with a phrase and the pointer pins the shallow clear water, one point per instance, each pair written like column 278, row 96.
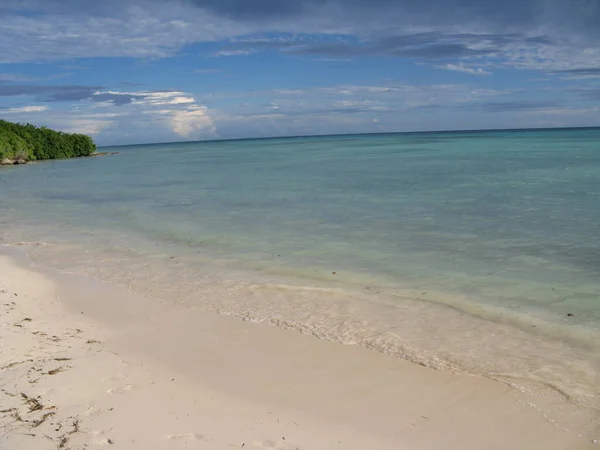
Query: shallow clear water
column 472, row 251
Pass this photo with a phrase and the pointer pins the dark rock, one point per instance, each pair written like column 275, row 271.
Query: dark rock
column 101, row 154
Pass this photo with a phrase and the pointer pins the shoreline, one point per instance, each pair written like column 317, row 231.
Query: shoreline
column 222, row 382
column 400, row 328
column 21, row 161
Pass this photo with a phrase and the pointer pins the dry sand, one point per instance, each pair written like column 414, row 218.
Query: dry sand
column 85, row 365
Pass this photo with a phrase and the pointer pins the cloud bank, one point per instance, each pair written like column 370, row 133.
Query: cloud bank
column 528, row 34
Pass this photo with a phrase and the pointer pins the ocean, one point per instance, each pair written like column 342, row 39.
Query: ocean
column 475, row 252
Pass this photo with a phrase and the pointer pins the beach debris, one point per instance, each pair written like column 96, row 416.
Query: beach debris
column 570, row 314
column 93, row 341
column 32, row 403
column 41, row 420
column 63, row 441
column 55, row 371
column 15, row 415
column 333, row 273
column 16, row 363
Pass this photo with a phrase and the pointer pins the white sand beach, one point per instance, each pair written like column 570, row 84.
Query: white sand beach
column 84, row 365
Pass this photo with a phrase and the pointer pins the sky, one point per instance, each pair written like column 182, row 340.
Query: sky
column 139, row 71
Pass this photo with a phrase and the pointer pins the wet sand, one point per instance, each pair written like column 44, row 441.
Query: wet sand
column 84, row 363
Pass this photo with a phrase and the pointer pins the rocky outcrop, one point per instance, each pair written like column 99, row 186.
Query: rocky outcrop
column 102, row 154
column 12, row 162
column 15, row 162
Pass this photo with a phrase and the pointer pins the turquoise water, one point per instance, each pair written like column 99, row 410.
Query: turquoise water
column 396, row 241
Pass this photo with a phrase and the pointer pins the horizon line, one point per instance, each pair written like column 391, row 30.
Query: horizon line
column 482, row 130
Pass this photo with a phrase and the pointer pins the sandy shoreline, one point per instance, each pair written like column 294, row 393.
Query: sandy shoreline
column 85, row 364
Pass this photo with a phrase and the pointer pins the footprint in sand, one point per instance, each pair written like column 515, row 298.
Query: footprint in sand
column 118, row 377
column 100, row 439
column 281, row 444
column 186, row 437
column 120, row 390
column 93, row 412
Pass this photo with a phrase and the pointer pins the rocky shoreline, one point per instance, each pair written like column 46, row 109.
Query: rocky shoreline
column 20, row 161
column 12, row 162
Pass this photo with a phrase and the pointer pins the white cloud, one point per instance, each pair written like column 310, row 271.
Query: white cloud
column 191, row 121
column 15, row 77
column 462, row 68
column 25, row 109
column 563, row 111
column 84, row 125
column 162, row 98
column 233, row 53
column 156, row 30
column 176, row 110
column 531, row 34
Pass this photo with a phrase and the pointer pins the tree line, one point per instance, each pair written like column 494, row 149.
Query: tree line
column 26, row 142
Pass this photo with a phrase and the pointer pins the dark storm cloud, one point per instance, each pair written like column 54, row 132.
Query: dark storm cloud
column 531, row 34
column 115, row 99
column 579, row 14
column 589, row 94
column 517, row 105
column 256, row 9
column 420, row 45
column 49, row 93
column 440, row 51
column 583, row 72
column 67, row 93
column 514, row 10
column 432, row 51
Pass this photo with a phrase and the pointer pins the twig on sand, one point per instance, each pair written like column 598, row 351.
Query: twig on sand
column 62, row 440
column 16, row 363
column 55, row 371
column 33, row 403
column 41, row 420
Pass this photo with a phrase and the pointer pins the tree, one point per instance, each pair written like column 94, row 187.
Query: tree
column 18, row 141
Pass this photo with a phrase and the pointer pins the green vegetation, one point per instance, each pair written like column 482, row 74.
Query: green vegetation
column 28, row 143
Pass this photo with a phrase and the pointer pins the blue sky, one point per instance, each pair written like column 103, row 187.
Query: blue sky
column 133, row 71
